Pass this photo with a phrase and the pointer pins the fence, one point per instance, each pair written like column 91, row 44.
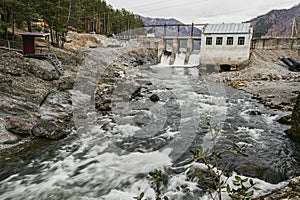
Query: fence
column 11, row 45
column 276, row 43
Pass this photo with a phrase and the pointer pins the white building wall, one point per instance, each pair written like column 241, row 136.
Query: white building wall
column 225, row 54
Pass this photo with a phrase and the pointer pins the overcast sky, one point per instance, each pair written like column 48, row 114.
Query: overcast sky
column 203, row 11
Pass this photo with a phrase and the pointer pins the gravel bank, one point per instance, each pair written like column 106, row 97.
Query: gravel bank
column 267, row 78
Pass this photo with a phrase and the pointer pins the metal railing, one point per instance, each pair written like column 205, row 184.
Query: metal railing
column 125, row 37
column 11, row 45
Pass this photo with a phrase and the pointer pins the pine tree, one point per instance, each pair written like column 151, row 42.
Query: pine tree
column 63, row 15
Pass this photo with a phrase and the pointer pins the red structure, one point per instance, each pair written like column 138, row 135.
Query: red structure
column 29, row 47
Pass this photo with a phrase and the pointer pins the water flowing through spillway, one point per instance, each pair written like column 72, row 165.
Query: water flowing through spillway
column 179, row 60
column 109, row 156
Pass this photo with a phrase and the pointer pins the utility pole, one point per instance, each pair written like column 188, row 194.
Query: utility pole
column 294, row 28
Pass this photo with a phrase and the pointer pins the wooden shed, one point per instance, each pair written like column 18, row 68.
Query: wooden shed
column 29, row 43
column 31, row 49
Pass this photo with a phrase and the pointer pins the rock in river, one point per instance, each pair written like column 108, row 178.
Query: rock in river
column 294, row 132
column 50, row 129
column 154, row 97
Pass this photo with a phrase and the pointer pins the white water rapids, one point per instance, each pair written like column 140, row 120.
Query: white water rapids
column 109, row 156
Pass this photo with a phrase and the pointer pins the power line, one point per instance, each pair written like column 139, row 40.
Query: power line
column 178, row 5
column 149, row 4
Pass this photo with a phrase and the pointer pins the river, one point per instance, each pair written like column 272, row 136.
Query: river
column 109, row 156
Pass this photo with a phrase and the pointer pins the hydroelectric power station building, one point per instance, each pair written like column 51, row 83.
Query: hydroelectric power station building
column 226, row 44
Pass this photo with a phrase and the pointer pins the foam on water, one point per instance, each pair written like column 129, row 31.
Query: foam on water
column 179, row 187
column 96, row 166
column 252, row 133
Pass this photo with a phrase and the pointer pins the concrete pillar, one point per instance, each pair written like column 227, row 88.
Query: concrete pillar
column 174, row 50
column 189, row 50
column 161, row 48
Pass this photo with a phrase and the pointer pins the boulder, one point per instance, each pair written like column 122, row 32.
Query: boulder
column 5, row 136
column 294, row 132
column 8, row 138
column 239, row 84
column 136, row 93
column 51, row 129
column 253, row 112
column 19, row 126
column 286, row 120
column 42, row 69
column 66, row 83
column 154, row 97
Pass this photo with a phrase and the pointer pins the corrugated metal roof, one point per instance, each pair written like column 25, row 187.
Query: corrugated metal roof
column 35, row 34
column 227, row 28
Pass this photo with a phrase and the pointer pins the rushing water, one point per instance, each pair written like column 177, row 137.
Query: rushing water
column 109, row 156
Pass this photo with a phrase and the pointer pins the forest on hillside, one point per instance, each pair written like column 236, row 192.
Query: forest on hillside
column 59, row 16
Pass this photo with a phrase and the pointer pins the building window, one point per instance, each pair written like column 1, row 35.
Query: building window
column 229, row 41
column 241, row 40
column 219, row 41
column 209, row 41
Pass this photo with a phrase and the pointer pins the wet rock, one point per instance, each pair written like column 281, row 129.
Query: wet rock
column 136, row 93
column 291, row 192
column 19, row 126
column 103, row 107
column 294, row 132
column 142, row 118
column 58, row 105
column 295, row 185
column 265, row 173
column 286, row 120
column 154, row 97
column 103, row 97
column 253, row 112
column 50, row 129
column 7, row 137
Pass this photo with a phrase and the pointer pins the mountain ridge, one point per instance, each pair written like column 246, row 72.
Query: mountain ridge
column 276, row 22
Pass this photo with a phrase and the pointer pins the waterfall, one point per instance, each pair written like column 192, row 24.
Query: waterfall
column 194, row 59
column 165, row 60
column 179, row 60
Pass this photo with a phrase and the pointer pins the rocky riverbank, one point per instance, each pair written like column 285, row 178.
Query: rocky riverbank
column 270, row 82
column 35, row 100
column 267, row 78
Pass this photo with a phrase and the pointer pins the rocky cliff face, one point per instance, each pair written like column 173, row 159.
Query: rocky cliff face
column 34, row 100
column 276, row 22
column 294, row 132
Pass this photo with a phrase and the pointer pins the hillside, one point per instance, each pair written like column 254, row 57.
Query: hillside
column 171, row 30
column 58, row 17
column 276, row 22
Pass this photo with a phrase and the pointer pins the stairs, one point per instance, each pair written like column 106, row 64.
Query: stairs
column 55, row 62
